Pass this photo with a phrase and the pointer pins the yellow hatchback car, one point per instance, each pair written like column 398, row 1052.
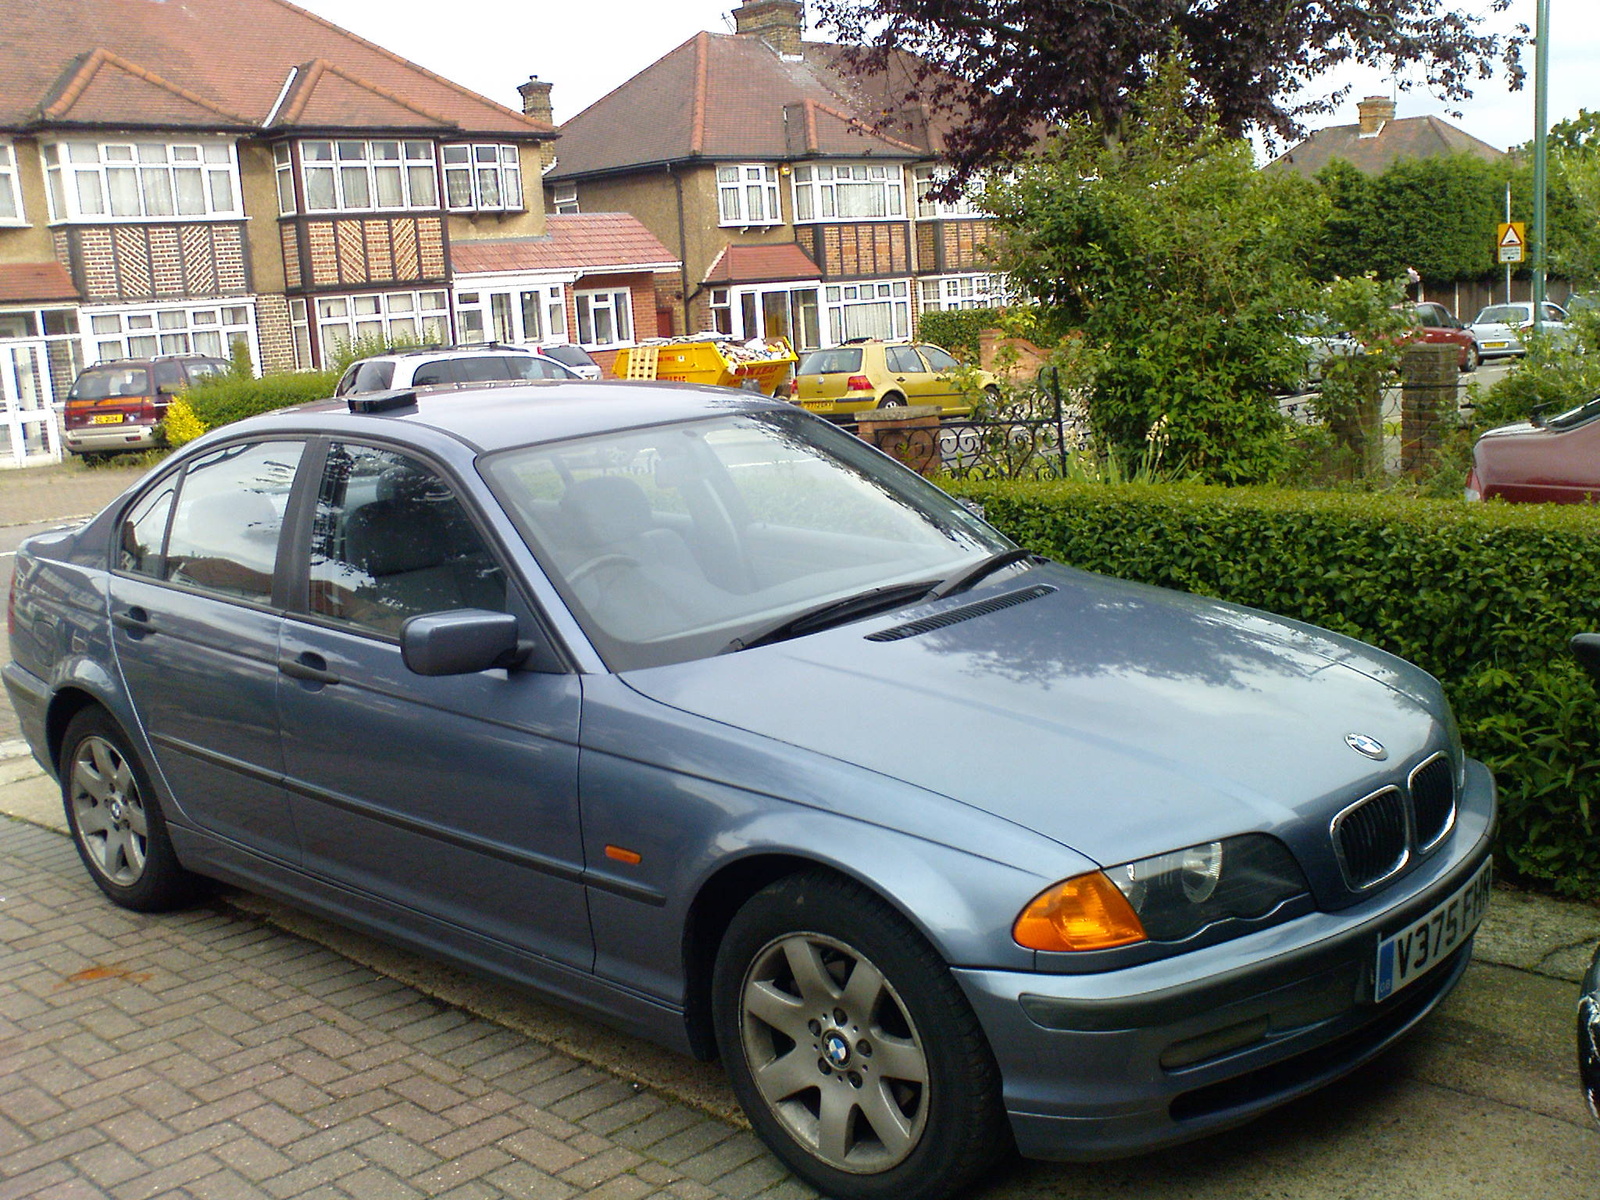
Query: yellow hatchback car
column 877, row 374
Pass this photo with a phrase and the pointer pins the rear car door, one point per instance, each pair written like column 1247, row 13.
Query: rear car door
column 910, row 376
column 195, row 617
column 450, row 796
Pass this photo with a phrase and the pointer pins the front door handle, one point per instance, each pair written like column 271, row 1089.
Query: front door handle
column 312, row 668
column 136, row 622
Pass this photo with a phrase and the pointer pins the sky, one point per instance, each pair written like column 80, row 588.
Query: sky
column 588, row 47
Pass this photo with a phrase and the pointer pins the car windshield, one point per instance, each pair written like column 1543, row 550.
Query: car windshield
column 572, row 356
column 671, row 543
column 1575, row 416
column 105, row 383
column 831, row 362
column 1502, row 314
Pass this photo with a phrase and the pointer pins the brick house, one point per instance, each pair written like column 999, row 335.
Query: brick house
column 181, row 178
column 754, row 159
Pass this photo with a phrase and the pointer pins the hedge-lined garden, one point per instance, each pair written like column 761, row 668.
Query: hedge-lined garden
column 1483, row 596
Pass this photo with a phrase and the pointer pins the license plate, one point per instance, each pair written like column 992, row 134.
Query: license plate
column 1494, row 345
column 1405, row 957
column 819, row 405
column 106, row 419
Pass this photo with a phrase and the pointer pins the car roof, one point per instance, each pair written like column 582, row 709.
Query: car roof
column 432, row 352
column 498, row 417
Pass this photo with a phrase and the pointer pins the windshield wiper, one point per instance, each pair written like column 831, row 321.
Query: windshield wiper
column 968, row 578
column 834, row 612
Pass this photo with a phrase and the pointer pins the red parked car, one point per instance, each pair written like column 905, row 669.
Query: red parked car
column 1556, row 460
column 1438, row 324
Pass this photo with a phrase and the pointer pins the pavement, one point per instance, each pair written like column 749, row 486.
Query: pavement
column 241, row 1049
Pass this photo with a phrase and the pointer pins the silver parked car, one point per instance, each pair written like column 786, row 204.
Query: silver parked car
column 698, row 714
column 1498, row 329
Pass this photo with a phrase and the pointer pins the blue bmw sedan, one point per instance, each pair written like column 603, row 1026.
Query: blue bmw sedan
column 696, row 713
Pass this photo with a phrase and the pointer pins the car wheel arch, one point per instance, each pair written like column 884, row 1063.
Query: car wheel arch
column 720, row 896
column 67, row 703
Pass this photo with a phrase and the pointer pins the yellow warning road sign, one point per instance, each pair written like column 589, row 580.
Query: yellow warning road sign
column 1513, row 237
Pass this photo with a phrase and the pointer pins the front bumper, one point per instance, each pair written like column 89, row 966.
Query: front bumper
column 1122, row 1062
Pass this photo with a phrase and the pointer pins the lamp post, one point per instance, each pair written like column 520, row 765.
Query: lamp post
column 1541, row 157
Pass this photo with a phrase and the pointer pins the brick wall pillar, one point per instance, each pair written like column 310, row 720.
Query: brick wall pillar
column 908, row 433
column 1428, row 378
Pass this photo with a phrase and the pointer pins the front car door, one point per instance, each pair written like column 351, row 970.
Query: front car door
column 454, row 797
column 196, row 617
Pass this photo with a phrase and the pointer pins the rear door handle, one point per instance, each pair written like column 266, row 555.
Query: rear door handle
column 136, row 622
column 312, row 668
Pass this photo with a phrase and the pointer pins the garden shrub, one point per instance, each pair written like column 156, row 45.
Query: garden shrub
column 226, row 398
column 1484, row 597
column 958, row 330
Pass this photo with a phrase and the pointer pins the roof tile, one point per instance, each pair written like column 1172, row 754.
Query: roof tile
column 582, row 240
column 35, row 281
column 1403, row 140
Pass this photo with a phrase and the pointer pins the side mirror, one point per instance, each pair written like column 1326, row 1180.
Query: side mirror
column 1585, row 648
column 462, row 642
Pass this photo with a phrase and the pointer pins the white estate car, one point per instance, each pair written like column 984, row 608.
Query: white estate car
column 450, row 366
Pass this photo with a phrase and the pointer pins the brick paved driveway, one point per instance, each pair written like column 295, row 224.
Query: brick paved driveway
column 204, row 1054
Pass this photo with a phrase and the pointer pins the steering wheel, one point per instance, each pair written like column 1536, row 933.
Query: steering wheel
column 586, row 569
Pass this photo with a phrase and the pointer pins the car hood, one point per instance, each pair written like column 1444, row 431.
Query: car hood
column 1116, row 719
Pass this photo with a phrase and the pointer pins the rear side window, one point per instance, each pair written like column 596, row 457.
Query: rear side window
column 108, row 383
column 205, row 369
column 903, row 360
column 844, row 360
column 168, row 372
column 486, row 368
column 144, row 529
column 367, row 377
column 433, row 374
column 225, row 527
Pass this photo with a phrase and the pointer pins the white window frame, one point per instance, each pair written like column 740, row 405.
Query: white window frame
column 147, row 179
column 611, row 305
column 564, row 198
column 523, row 313
column 844, row 305
column 283, row 174
column 487, row 177
column 930, row 175
column 343, row 319
column 817, row 194
column 12, row 212
column 340, row 169
column 948, row 293
column 747, row 194
column 143, row 331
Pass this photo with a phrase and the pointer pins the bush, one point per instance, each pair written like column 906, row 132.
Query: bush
column 1483, row 596
column 958, row 330
column 227, row 398
column 180, row 426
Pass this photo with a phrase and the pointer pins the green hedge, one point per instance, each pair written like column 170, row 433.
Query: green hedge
column 229, row 398
column 1483, row 596
column 958, row 330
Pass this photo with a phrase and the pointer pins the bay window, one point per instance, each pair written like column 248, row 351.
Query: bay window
column 141, row 181
column 853, row 192
column 364, row 176
column 868, row 310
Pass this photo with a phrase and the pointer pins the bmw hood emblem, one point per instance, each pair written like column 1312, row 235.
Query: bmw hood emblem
column 1362, row 744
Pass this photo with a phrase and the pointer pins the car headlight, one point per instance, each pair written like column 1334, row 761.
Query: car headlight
column 1164, row 898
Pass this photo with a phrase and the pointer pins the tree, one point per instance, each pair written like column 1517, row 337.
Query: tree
column 1182, row 264
column 1007, row 70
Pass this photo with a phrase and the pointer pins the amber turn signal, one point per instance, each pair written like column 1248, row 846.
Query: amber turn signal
column 1086, row 912
column 631, row 857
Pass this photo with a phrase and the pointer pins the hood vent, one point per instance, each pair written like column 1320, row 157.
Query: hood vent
column 956, row 615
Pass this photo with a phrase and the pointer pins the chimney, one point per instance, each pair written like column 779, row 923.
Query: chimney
column 536, row 100
column 779, row 23
column 1375, row 113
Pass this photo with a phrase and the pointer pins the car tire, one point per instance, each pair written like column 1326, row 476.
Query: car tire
column 892, row 400
column 1472, row 360
column 851, row 1048
column 991, row 395
column 115, row 819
